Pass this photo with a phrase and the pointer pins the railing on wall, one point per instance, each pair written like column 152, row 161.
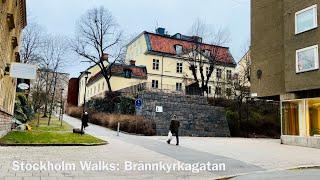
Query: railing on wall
column 166, row 88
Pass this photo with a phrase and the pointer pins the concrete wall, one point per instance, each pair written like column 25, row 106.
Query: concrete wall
column 292, row 42
column 196, row 117
column 267, row 51
column 274, row 44
column 313, row 142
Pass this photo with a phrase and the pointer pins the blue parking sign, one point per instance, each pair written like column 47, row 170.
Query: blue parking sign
column 138, row 103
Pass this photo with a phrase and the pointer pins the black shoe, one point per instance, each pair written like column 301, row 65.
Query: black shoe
column 168, row 141
column 177, row 144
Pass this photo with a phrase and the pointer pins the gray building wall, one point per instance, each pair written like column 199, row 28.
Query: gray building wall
column 196, row 117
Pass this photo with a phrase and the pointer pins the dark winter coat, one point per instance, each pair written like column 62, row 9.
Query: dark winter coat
column 174, row 126
column 85, row 120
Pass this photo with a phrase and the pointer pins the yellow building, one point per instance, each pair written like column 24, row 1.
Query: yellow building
column 12, row 21
column 169, row 71
column 123, row 76
column 243, row 70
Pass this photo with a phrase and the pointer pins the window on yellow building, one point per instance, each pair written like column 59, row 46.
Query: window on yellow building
column 155, row 84
column 155, row 64
column 179, row 67
column 229, row 74
column 218, row 91
column 178, row 86
column 218, row 73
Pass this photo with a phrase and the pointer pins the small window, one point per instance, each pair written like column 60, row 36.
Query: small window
column 229, row 74
column 207, row 71
column 218, row 91
column 218, row 73
column 155, row 84
column 306, row 19
column 178, row 86
column 228, row 92
column 155, row 64
column 178, row 49
column 127, row 73
column 307, row 59
column 179, row 67
column 207, row 52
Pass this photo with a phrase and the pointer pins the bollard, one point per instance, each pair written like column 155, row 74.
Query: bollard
column 118, row 129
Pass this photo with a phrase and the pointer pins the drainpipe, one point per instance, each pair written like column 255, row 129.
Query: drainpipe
column 161, row 71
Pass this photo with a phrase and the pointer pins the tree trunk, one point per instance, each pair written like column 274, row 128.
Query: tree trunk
column 46, row 100
column 52, row 98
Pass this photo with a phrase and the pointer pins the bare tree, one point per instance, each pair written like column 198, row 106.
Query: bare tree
column 53, row 59
column 98, row 41
column 31, row 43
column 201, row 57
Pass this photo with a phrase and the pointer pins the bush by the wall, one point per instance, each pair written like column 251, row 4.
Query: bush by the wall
column 256, row 118
column 128, row 123
column 113, row 103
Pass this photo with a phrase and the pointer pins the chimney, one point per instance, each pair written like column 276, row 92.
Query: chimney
column 132, row 62
column 160, row 31
column 105, row 56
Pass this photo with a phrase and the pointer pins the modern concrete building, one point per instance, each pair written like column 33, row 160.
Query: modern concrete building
column 285, row 64
column 168, row 62
column 12, row 21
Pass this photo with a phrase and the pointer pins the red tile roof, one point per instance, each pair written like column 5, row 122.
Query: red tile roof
column 166, row 44
column 118, row 70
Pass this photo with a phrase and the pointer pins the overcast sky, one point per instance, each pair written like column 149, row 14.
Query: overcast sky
column 134, row 16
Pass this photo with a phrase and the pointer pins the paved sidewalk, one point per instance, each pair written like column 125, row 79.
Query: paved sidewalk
column 241, row 156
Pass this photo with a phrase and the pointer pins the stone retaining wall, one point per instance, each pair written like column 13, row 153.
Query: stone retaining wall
column 5, row 123
column 196, row 117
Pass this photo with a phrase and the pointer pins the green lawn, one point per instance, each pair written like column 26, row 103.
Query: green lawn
column 44, row 134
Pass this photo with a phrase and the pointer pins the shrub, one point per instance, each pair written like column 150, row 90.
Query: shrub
column 262, row 120
column 113, row 103
column 23, row 109
column 74, row 111
column 128, row 123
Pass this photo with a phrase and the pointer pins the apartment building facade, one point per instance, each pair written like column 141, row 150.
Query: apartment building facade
column 285, row 64
column 169, row 70
column 12, row 21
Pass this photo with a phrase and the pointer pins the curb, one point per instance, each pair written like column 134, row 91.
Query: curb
column 271, row 170
column 66, row 144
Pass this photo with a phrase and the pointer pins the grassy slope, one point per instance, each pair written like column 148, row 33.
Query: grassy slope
column 44, row 134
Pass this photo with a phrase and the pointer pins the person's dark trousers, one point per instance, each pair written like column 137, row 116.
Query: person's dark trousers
column 177, row 136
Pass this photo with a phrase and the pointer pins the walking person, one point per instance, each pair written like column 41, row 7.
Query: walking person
column 174, row 129
column 85, row 120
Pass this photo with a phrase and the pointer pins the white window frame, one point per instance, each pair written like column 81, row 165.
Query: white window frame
column 155, row 84
column 315, row 18
column 179, row 67
column 178, row 86
column 155, row 64
column 316, row 60
column 179, row 49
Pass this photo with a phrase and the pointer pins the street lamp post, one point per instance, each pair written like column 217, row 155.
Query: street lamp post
column 61, row 107
column 86, row 73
